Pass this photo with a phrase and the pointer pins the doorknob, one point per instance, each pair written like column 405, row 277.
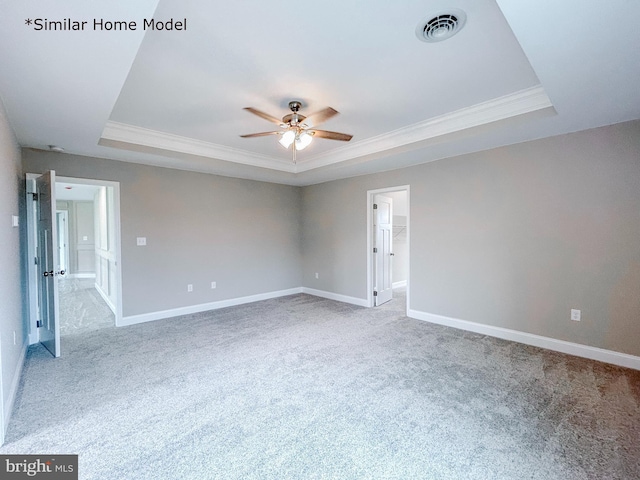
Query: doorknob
column 61, row 272
column 48, row 274
column 392, row 254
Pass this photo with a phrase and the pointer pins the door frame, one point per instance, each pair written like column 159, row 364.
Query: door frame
column 371, row 233
column 32, row 278
column 65, row 234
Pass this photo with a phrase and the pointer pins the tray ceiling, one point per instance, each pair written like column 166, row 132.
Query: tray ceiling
column 176, row 98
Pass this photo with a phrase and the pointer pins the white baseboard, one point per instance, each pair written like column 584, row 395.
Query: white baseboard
column 362, row 302
column 15, row 383
column 81, row 275
column 106, row 298
column 203, row 307
column 401, row 283
column 585, row 351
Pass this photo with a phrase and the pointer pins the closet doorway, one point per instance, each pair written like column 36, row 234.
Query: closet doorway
column 388, row 245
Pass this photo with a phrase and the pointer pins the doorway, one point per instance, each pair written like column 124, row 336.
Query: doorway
column 85, row 292
column 88, row 220
column 388, row 262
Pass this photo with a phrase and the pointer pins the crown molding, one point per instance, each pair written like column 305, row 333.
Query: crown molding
column 518, row 103
column 122, row 132
column 511, row 105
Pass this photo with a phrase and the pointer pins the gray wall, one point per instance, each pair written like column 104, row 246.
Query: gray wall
column 81, row 224
column 334, row 238
column 242, row 234
column 11, row 280
column 83, row 244
column 512, row 237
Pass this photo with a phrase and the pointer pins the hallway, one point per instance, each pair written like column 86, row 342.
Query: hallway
column 82, row 309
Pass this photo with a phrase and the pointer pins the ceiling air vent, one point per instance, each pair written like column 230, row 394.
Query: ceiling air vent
column 439, row 27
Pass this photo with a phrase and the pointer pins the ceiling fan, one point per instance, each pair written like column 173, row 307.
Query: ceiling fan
column 296, row 130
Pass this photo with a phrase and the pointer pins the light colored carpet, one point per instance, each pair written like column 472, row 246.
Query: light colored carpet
column 82, row 309
column 302, row 388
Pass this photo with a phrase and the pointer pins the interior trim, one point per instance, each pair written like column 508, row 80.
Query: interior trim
column 335, row 296
column 562, row 346
column 203, row 307
column 131, row 134
column 15, row 384
column 105, row 297
column 511, row 105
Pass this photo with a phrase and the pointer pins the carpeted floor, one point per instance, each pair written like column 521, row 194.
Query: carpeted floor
column 82, row 309
column 302, row 387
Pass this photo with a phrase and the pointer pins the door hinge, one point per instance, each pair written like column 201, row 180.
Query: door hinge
column 375, row 206
column 375, row 294
column 35, row 260
column 38, row 324
column 35, row 196
column 375, row 250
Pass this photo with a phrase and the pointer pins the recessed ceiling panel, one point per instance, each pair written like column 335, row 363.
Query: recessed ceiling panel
column 361, row 58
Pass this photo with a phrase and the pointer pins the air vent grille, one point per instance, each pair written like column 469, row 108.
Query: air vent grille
column 441, row 26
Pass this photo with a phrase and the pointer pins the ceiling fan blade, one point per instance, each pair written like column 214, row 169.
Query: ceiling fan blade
column 320, row 117
column 344, row 137
column 266, row 116
column 261, row 134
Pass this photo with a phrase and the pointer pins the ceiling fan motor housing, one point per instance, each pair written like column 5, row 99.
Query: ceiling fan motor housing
column 295, row 105
column 294, row 118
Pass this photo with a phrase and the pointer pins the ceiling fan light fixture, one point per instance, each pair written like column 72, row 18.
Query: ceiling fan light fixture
column 303, row 140
column 287, row 138
column 298, row 130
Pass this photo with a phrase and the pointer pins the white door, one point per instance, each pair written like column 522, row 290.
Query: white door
column 48, row 267
column 382, row 248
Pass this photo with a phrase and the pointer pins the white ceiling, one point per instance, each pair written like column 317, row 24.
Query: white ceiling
column 519, row 70
column 75, row 191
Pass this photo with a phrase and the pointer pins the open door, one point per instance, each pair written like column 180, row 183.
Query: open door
column 48, row 264
column 382, row 244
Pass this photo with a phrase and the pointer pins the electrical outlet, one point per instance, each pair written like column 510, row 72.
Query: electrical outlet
column 213, row 285
column 141, row 241
column 317, row 275
column 189, row 288
column 575, row 315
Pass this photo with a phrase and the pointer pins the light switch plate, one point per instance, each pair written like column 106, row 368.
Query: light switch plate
column 15, row 220
column 141, row 241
